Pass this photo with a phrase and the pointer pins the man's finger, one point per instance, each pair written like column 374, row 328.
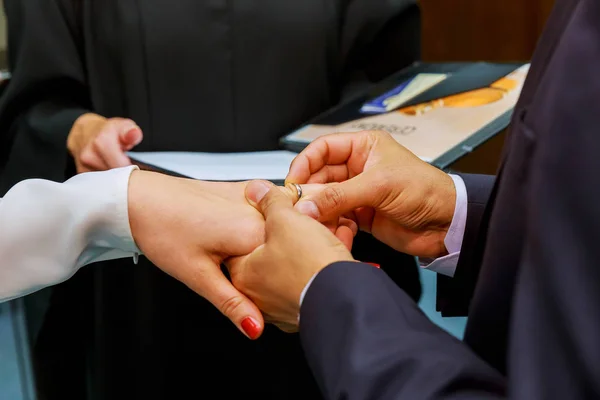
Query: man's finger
column 331, row 173
column 345, row 230
column 331, row 149
column 256, row 190
column 338, row 199
column 364, row 218
column 292, row 191
column 267, row 198
column 350, row 224
column 287, row 328
column 215, row 287
column 345, row 235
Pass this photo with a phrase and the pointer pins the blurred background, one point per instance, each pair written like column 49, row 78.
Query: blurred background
column 460, row 30
column 2, row 37
column 492, row 30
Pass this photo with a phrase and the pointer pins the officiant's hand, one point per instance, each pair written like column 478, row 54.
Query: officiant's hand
column 188, row 228
column 402, row 200
column 99, row 144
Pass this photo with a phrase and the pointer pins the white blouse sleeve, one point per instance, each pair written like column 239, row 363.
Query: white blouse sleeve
column 49, row 230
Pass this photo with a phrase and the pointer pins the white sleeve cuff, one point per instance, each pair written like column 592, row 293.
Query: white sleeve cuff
column 444, row 265
column 453, row 241
column 456, row 232
column 112, row 237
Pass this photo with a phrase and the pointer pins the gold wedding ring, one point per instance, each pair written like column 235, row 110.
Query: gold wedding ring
column 298, row 190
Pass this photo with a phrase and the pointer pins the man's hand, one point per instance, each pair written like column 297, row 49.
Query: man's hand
column 99, row 144
column 296, row 248
column 403, row 201
column 188, row 228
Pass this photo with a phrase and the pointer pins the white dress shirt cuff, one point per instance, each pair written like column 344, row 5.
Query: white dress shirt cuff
column 111, row 236
column 456, row 232
column 453, row 241
column 118, row 225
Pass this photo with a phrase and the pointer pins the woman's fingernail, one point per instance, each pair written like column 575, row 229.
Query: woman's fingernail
column 251, row 327
column 308, row 208
column 375, row 265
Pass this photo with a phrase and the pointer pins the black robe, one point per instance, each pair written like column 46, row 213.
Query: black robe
column 211, row 75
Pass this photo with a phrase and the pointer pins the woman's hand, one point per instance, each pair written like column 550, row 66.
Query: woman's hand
column 188, row 228
column 99, row 144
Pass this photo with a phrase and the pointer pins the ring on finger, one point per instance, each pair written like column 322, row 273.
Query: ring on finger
column 298, row 190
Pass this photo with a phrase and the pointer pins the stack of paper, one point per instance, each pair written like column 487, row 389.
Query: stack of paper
column 269, row 165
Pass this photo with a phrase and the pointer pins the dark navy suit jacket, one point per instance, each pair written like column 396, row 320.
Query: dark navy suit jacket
column 529, row 272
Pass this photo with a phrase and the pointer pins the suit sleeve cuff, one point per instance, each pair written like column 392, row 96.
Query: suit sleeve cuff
column 303, row 294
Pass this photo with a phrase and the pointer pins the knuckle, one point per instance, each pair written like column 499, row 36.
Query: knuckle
column 268, row 202
column 115, row 121
column 86, row 157
column 273, row 198
column 381, row 134
column 379, row 181
column 382, row 184
column 99, row 142
column 121, row 120
column 123, row 125
column 379, row 177
column 333, row 196
column 106, row 141
column 229, row 306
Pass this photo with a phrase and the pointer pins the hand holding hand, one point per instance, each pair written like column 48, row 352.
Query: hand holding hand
column 188, row 228
column 296, row 248
column 99, row 144
column 402, row 200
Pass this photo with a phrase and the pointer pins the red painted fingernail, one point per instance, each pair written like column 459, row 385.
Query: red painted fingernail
column 375, row 265
column 250, row 326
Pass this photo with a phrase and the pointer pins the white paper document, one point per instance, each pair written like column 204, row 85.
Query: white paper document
column 270, row 165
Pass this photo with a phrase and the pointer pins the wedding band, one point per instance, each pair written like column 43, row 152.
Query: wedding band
column 298, row 190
